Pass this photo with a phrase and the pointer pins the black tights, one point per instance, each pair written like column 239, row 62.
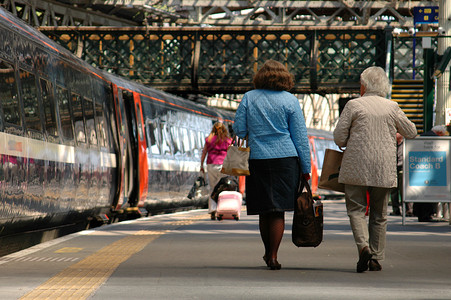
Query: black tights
column 272, row 225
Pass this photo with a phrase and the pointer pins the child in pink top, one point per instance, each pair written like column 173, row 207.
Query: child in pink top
column 215, row 149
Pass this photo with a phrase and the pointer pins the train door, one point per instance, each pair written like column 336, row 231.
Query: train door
column 125, row 166
column 133, row 166
column 137, row 148
column 140, row 148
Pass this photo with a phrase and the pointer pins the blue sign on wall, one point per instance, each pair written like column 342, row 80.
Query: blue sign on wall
column 427, row 168
column 425, row 14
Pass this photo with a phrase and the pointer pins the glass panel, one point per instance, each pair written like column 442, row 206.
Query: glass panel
column 90, row 126
column 154, row 137
column 184, row 136
column 30, row 100
column 8, row 94
column 166, row 140
column 49, row 107
column 79, row 124
column 139, row 121
column 176, row 141
column 194, row 143
column 100, row 125
column 62, row 95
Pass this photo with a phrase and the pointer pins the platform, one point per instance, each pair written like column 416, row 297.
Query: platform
column 188, row 256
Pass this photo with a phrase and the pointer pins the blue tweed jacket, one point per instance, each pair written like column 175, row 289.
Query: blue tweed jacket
column 275, row 125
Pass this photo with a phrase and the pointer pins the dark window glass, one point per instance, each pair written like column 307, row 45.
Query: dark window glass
column 8, row 94
column 139, row 120
column 100, row 122
column 166, row 143
column 154, row 137
column 30, row 100
column 49, row 108
column 79, row 124
column 184, row 137
column 175, row 139
column 90, row 126
column 62, row 95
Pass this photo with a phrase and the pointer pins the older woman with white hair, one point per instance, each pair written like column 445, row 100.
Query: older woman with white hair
column 367, row 128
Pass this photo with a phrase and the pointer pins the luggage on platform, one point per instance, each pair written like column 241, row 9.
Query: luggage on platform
column 226, row 183
column 229, row 205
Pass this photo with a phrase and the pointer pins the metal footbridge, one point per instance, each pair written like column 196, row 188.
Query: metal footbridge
column 200, row 48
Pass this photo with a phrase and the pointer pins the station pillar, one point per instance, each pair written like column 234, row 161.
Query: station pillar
column 443, row 83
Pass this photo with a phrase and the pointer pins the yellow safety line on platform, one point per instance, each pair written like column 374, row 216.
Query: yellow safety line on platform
column 82, row 279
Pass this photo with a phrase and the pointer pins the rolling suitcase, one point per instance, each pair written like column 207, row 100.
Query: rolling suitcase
column 229, row 205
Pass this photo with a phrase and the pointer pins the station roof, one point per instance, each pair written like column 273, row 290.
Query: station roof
column 216, row 13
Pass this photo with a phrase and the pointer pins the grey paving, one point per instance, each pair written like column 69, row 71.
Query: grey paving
column 223, row 260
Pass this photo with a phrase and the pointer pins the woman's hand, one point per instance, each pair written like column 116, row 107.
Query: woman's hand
column 306, row 176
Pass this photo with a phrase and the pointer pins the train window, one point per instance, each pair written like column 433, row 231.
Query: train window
column 79, row 124
column 184, row 136
column 194, row 143
column 153, row 137
column 90, row 126
column 176, row 141
column 8, row 94
column 49, row 108
column 62, row 95
column 139, row 120
column 201, row 139
column 100, row 122
column 166, row 148
column 30, row 103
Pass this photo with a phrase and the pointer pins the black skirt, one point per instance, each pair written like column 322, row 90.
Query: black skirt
column 272, row 185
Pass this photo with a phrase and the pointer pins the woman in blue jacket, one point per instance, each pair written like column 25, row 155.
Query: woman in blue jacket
column 272, row 119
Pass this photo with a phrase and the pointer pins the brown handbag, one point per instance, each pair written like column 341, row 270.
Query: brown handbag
column 307, row 230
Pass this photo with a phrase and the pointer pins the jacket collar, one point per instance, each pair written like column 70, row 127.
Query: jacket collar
column 370, row 94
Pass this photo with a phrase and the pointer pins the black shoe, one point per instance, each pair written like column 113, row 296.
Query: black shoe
column 213, row 215
column 273, row 264
column 395, row 213
column 365, row 256
column 374, row 265
column 266, row 260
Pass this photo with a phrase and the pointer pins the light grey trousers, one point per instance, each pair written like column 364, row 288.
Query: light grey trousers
column 214, row 175
column 371, row 234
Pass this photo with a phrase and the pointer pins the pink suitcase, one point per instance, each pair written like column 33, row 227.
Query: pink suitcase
column 229, row 205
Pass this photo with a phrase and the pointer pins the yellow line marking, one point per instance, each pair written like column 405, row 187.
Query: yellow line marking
column 68, row 250
column 82, row 279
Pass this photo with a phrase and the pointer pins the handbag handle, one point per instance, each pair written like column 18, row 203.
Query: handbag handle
column 239, row 142
column 304, row 183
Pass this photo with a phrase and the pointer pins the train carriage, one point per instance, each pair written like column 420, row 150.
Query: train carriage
column 79, row 145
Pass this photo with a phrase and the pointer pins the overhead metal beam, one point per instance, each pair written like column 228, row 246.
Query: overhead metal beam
column 397, row 13
column 299, row 13
column 53, row 13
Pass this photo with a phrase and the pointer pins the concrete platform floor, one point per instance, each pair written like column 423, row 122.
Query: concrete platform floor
column 188, row 256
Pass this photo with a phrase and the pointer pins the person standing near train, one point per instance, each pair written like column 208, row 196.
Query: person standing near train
column 272, row 119
column 215, row 150
column 367, row 128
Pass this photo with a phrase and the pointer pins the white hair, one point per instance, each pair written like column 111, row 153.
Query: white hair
column 375, row 81
column 440, row 129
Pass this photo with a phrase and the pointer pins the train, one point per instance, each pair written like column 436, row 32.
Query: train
column 80, row 146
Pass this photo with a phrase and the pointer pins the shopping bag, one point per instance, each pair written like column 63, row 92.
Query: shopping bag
column 331, row 170
column 236, row 162
column 307, row 229
column 196, row 188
